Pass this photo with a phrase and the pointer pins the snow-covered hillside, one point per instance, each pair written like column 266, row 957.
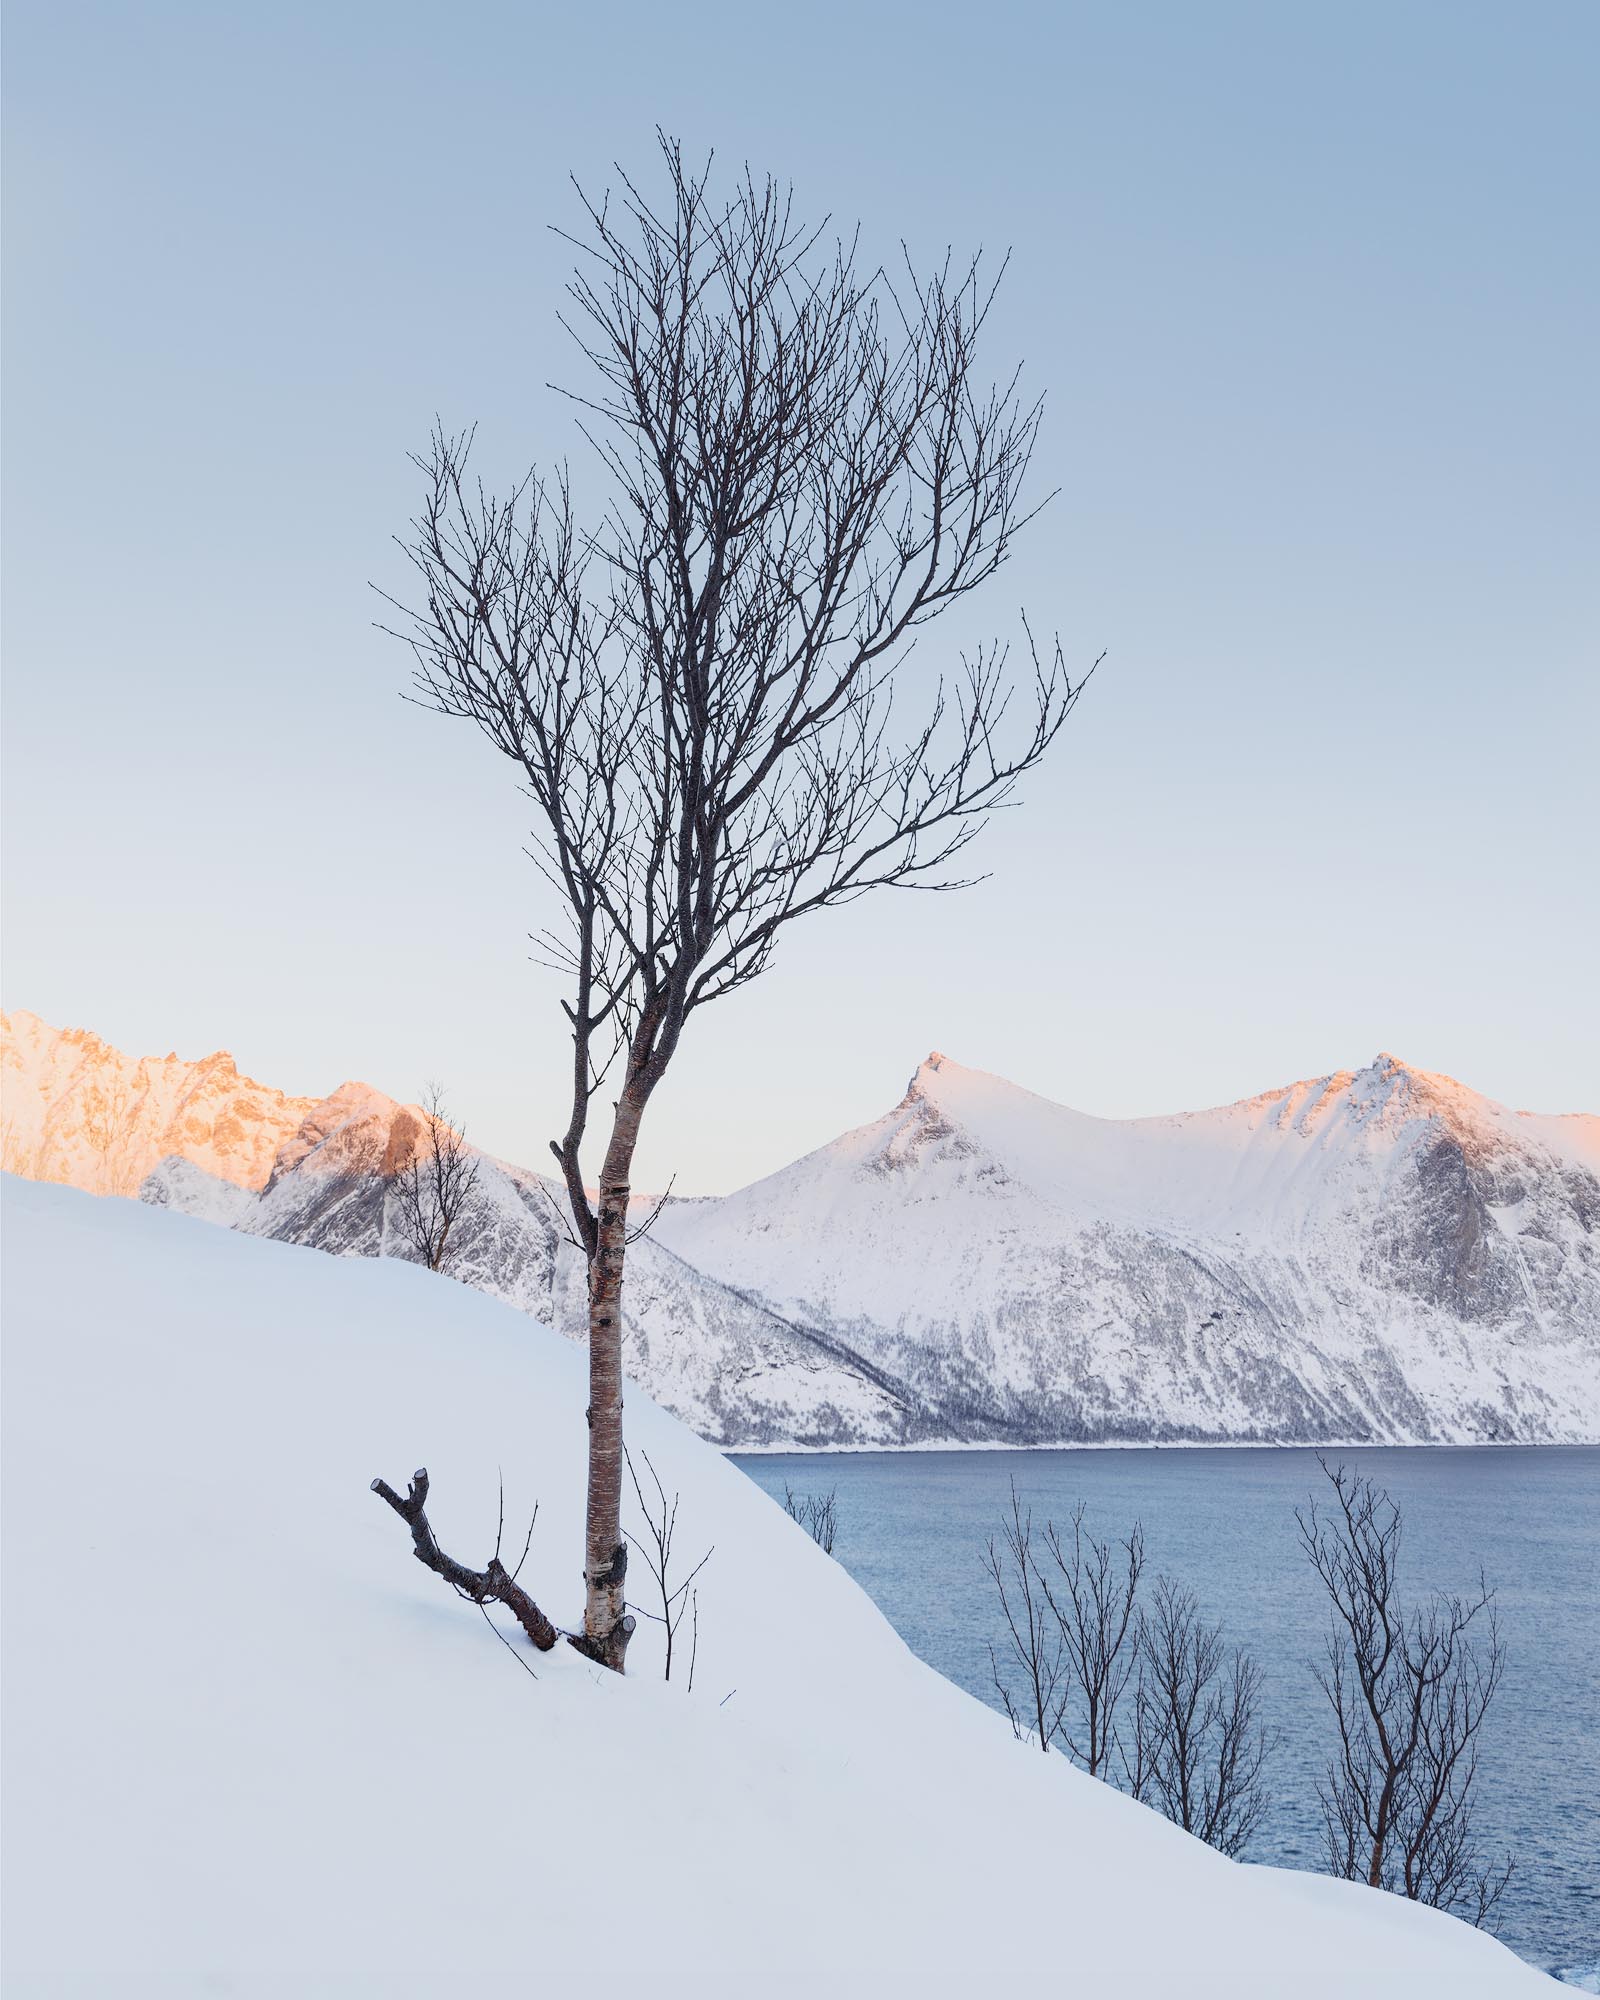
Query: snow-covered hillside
column 727, row 1365
column 1375, row 1254
column 197, row 1136
column 254, row 1748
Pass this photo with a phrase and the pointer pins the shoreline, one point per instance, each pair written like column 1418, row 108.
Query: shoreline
column 1181, row 1444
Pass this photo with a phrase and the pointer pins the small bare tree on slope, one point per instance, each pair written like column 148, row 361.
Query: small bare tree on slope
column 436, row 1187
column 1197, row 1750
column 803, row 469
column 1035, row 1648
column 1092, row 1594
column 817, row 1513
column 1409, row 1690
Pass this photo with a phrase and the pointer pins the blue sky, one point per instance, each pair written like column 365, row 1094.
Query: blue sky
column 1313, row 295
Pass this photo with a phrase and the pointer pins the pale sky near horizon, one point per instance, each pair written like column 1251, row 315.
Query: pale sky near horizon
column 1313, row 294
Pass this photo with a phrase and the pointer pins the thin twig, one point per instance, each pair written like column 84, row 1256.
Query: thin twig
column 495, row 1629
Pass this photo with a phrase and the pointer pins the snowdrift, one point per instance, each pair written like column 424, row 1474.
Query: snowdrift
column 253, row 1748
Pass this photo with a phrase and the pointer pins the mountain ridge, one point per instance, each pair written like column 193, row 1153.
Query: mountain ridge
column 77, row 1109
column 1376, row 1253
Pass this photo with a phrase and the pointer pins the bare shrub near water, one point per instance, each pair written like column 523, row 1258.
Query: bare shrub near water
column 1079, row 1652
column 817, row 1513
column 1409, row 1689
column 1196, row 1749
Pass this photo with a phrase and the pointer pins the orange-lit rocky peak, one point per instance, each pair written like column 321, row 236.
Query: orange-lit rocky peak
column 79, row 1110
column 353, row 1129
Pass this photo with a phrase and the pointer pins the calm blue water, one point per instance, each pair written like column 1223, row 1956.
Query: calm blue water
column 913, row 1526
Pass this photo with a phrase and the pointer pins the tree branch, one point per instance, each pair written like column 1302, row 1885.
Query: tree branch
column 492, row 1585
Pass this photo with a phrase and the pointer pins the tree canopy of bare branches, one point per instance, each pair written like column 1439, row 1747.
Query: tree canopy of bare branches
column 435, row 1188
column 1409, row 1690
column 696, row 684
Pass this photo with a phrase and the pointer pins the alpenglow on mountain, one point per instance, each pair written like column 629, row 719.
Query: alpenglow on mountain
column 318, row 1171
column 1377, row 1254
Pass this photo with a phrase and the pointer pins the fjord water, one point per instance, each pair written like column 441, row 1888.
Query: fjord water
column 912, row 1529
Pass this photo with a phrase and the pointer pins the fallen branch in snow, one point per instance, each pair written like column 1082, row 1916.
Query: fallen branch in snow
column 492, row 1585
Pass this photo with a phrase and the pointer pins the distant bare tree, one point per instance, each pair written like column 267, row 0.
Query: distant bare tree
column 436, row 1189
column 1409, row 1690
column 1035, row 1650
column 817, row 1513
column 1196, row 1750
column 801, row 468
column 677, row 1599
column 1091, row 1589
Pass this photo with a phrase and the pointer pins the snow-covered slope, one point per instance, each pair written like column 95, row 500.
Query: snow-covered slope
column 74, row 1109
column 727, row 1365
column 254, row 1748
column 197, row 1136
column 1375, row 1254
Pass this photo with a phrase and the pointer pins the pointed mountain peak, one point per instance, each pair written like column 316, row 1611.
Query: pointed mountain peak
column 925, row 1078
column 1391, row 1089
column 352, row 1095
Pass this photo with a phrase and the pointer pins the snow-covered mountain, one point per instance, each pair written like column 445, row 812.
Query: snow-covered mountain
column 1375, row 1254
column 1379, row 1253
column 317, row 1171
column 727, row 1365
column 296, row 1765
column 74, row 1109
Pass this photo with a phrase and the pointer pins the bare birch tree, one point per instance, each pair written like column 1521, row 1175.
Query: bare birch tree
column 435, row 1189
column 803, row 468
column 1409, row 1690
